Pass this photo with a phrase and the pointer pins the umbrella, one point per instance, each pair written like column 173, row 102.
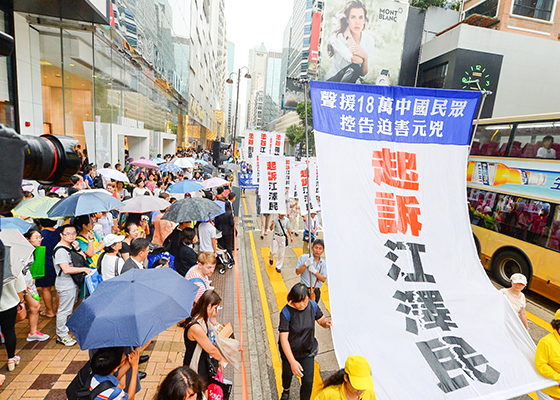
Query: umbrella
column 183, row 162
column 83, row 203
column 113, row 174
column 170, row 168
column 132, row 308
column 232, row 167
column 192, row 209
column 14, row 223
column 142, row 204
column 214, row 182
column 207, row 168
column 36, row 207
column 185, row 187
column 201, row 162
column 142, row 162
column 158, row 160
column 20, row 249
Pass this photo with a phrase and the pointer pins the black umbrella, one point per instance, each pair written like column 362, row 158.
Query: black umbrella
column 192, row 209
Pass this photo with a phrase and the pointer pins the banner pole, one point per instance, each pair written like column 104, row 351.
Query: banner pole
column 485, row 93
column 305, row 83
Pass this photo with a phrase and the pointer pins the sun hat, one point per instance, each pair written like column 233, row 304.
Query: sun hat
column 111, row 239
column 358, row 371
column 519, row 278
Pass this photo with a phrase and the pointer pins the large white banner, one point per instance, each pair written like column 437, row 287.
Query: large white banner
column 407, row 289
column 272, row 186
column 304, row 184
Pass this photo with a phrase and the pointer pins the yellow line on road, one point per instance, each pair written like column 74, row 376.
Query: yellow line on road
column 324, row 289
column 276, row 364
column 540, row 322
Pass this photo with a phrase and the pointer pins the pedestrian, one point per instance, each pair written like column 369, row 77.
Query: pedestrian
column 199, row 332
column 64, row 265
column 516, row 297
column 139, row 250
column 90, row 243
column 231, row 199
column 207, row 240
column 110, row 364
column 201, row 272
column 187, row 257
column 280, row 228
column 225, row 223
column 353, row 382
column 310, row 228
column 172, row 242
column 30, row 296
column 181, row 384
column 297, row 342
column 294, row 215
column 547, row 359
column 313, row 269
column 11, row 304
column 131, row 232
column 140, row 189
column 110, row 263
column 46, row 284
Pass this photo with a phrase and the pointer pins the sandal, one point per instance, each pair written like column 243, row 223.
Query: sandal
column 42, row 314
column 2, row 379
column 12, row 362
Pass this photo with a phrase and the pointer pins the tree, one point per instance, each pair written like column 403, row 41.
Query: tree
column 300, row 109
column 295, row 134
column 425, row 4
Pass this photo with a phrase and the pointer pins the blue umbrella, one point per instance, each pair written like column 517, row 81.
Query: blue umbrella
column 202, row 162
column 14, row 223
column 158, row 160
column 132, row 308
column 170, row 168
column 185, row 187
column 83, row 203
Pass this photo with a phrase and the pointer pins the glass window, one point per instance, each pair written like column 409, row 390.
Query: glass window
column 7, row 111
column 538, row 140
column 518, row 217
column 492, row 140
column 539, row 9
column 435, row 77
column 488, row 8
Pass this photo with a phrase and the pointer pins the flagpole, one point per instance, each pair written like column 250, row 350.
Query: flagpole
column 305, row 83
column 485, row 93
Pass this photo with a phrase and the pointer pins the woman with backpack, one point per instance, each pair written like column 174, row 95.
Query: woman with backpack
column 297, row 342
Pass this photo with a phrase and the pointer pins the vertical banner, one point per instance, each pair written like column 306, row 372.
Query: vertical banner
column 249, row 146
column 276, row 143
column 307, row 203
column 407, row 289
column 314, row 44
column 363, row 41
column 289, row 164
column 272, row 184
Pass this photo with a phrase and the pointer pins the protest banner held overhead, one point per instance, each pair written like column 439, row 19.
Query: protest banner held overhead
column 272, row 187
column 422, row 309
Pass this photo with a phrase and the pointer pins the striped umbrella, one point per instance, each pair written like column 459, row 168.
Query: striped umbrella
column 170, row 168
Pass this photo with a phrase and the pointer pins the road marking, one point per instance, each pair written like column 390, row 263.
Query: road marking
column 538, row 321
column 324, row 289
column 276, row 364
column 281, row 294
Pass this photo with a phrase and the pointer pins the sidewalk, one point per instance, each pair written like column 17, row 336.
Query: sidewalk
column 46, row 368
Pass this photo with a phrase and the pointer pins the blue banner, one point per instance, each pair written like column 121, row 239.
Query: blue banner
column 394, row 113
column 245, row 181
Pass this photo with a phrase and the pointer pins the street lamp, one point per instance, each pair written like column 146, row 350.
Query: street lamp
column 230, row 81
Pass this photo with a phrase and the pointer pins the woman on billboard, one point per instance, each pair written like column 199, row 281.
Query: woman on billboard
column 349, row 45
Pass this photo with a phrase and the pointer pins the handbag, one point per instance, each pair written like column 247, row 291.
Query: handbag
column 219, row 388
column 37, row 269
column 21, row 314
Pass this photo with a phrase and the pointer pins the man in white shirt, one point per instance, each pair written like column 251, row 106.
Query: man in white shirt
column 546, row 151
column 207, row 238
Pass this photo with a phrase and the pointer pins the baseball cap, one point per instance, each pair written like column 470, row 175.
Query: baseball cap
column 111, row 239
column 519, row 278
column 358, row 371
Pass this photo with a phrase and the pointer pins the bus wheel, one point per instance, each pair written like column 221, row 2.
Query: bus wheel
column 507, row 263
column 477, row 244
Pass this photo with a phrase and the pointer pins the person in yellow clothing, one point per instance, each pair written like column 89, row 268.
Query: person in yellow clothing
column 351, row 383
column 547, row 359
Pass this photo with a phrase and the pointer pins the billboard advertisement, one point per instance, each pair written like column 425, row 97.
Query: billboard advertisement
column 314, row 44
column 293, row 94
column 363, row 41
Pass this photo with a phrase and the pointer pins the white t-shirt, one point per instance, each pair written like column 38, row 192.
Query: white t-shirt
column 518, row 304
column 342, row 56
column 206, row 231
column 544, row 153
column 63, row 280
column 108, row 266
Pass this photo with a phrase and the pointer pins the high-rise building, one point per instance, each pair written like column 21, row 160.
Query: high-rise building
column 229, row 103
column 272, row 89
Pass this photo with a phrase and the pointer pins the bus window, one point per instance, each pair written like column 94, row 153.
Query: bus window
column 491, row 140
column 554, row 238
column 537, row 140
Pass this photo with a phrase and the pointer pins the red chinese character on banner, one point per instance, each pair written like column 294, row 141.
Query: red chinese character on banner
column 277, row 143
column 272, row 175
column 271, row 165
column 251, row 141
column 397, row 169
column 304, row 177
column 396, row 216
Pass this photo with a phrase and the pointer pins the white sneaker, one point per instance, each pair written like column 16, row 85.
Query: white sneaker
column 66, row 340
column 38, row 336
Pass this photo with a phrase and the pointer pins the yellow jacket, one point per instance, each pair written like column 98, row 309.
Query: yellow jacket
column 547, row 361
column 337, row 393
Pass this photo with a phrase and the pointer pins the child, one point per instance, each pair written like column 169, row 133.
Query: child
column 108, row 361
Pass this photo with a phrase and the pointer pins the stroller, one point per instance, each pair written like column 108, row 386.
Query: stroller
column 225, row 261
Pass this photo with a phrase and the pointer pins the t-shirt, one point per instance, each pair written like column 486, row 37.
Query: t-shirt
column 202, row 287
column 108, row 266
column 309, row 279
column 63, row 280
column 10, row 297
column 544, row 153
column 301, row 328
column 206, row 231
column 337, row 392
column 113, row 393
column 89, row 180
column 518, row 304
column 285, row 224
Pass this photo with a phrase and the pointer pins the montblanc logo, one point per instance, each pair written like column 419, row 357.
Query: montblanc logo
column 388, row 14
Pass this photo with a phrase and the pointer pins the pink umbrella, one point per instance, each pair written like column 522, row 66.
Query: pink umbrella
column 142, row 162
column 214, row 182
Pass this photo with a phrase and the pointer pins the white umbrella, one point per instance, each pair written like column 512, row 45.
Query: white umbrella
column 19, row 248
column 183, row 162
column 113, row 174
column 213, row 182
column 142, row 204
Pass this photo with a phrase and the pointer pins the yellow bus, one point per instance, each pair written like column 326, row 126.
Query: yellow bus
column 513, row 188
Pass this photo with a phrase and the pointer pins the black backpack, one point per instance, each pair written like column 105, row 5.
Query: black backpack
column 79, row 387
column 78, row 261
